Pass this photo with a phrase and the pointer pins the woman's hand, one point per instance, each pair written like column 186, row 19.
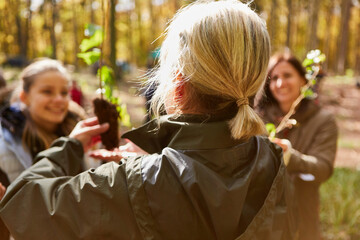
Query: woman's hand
column 286, row 147
column 88, row 132
column 128, row 150
column 283, row 143
column 131, row 147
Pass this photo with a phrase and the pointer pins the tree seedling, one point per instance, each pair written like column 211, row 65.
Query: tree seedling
column 107, row 108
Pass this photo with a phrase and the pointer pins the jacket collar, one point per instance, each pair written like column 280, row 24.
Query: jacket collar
column 13, row 119
column 183, row 132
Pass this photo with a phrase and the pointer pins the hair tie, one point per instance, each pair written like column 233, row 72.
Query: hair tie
column 242, row 101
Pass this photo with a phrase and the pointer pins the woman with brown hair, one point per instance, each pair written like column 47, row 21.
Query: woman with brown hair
column 309, row 146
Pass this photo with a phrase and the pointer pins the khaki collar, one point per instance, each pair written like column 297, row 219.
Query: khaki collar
column 184, row 132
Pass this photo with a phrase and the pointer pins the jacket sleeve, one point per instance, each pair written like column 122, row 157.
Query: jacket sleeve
column 48, row 202
column 319, row 160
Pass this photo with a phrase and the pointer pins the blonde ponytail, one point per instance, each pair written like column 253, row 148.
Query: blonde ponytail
column 246, row 123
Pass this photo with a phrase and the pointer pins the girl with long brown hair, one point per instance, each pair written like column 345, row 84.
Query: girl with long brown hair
column 41, row 115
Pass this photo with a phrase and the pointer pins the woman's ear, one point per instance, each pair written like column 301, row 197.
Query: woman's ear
column 23, row 96
column 179, row 89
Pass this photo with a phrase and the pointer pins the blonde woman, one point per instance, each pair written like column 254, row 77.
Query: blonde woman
column 205, row 172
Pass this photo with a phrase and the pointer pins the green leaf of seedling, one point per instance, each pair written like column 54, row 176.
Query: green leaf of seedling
column 114, row 100
column 271, row 129
column 308, row 93
column 90, row 57
column 312, row 82
column 94, row 41
column 108, row 91
column 90, row 29
column 307, row 62
column 322, row 57
column 107, row 75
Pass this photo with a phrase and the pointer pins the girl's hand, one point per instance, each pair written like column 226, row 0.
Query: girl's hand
column 88, row 132
column 128, row 150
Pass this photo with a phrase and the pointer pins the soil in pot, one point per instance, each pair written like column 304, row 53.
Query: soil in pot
column 106, row 112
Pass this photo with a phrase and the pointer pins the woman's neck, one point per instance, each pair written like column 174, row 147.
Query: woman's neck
column 285, row 107
column 47, row 127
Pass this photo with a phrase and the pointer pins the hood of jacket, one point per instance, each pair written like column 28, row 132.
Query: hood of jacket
column 13, row 119
column 12, row 122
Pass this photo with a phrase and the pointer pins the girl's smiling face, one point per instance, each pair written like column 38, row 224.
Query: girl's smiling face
column 47, row 99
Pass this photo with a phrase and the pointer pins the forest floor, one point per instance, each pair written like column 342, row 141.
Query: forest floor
column 340, row 96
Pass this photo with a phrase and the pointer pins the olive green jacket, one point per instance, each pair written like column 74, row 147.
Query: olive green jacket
column 198, row 183
column 314, row 140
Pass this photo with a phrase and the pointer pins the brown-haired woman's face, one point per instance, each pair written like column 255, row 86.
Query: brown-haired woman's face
column 285, row 83
column 48, row 99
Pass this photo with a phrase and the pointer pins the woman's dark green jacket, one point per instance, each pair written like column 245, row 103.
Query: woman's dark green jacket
column 198, row 183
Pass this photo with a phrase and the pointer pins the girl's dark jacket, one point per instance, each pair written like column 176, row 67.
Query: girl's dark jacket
column 198, row 183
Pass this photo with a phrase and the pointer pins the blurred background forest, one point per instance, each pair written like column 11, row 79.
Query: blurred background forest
column 55, row 28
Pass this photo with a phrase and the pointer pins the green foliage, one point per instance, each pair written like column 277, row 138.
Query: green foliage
column 90, row 29
column 90, row 57
column 125, row 117
column 270, row 127
column 308, row 93
column 340, row 205
column 95, row 40
column 106, row 75
column 314, row 57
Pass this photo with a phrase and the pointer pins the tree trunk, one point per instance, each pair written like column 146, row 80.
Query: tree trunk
column 357, row 50
column 113, row 39
column 5, row 16
column 312, row 29
column 141, row 42
column 75, row 33
column 130, row 38
column 92, row 13
column 273, row 21
column 329, row 17
column 27, row 41
column 344, row 36
column 20, row 39
column 52, row 28
column 289, row 16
